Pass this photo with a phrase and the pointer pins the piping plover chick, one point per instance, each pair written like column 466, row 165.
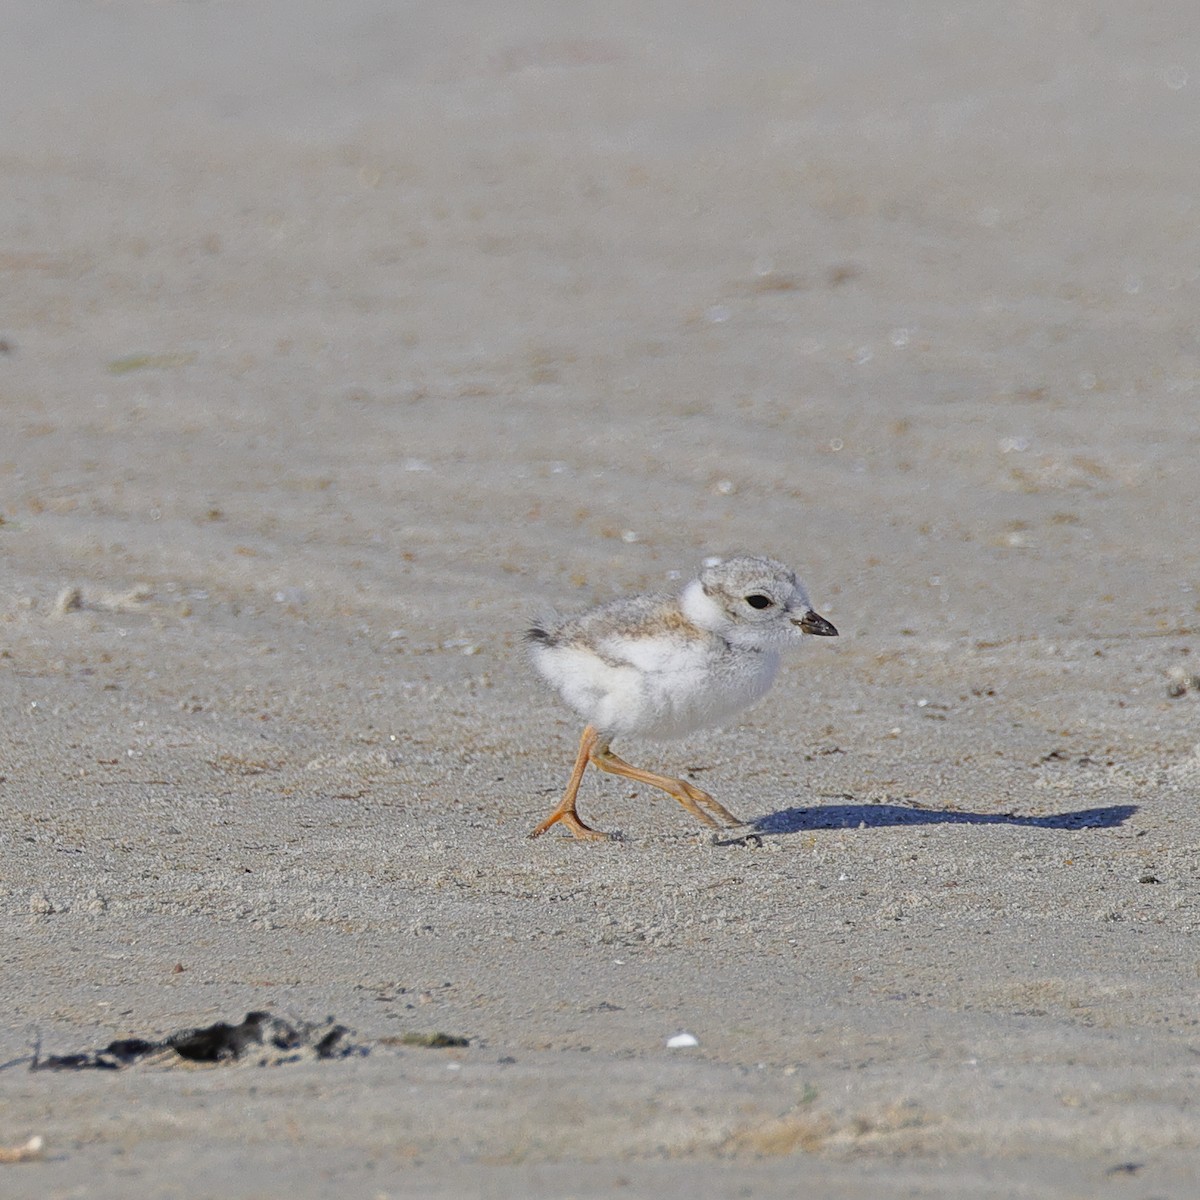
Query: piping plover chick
column 662, row 666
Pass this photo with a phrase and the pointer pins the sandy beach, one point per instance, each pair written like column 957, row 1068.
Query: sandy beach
column 337, row 340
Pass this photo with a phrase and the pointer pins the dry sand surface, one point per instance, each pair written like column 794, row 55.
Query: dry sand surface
column 336, row 338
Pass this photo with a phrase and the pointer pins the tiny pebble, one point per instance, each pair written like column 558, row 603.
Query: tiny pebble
column 1180, row 682
column 69, row 600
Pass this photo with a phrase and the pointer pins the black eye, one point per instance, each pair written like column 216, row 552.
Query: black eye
column 758, row 600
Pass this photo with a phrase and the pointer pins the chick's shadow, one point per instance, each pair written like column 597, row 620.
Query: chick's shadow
column 878, row 816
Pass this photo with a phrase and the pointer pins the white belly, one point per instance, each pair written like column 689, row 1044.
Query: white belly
column 657, row 688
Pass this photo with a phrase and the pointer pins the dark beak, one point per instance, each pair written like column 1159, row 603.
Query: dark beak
column 817, row 626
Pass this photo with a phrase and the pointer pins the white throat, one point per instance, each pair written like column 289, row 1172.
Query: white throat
column 701, row 609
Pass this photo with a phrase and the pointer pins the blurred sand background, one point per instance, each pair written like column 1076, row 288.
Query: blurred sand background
column 336, row 338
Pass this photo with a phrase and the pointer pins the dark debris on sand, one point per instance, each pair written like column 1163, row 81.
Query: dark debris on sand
column 261, row 1039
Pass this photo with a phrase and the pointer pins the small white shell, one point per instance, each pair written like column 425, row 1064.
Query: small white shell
column 681, row 1041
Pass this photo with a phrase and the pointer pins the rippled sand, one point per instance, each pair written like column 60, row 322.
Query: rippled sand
column 336, row 339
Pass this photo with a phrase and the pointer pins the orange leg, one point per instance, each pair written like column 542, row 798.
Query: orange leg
column 565, row 812
column 699, row 803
